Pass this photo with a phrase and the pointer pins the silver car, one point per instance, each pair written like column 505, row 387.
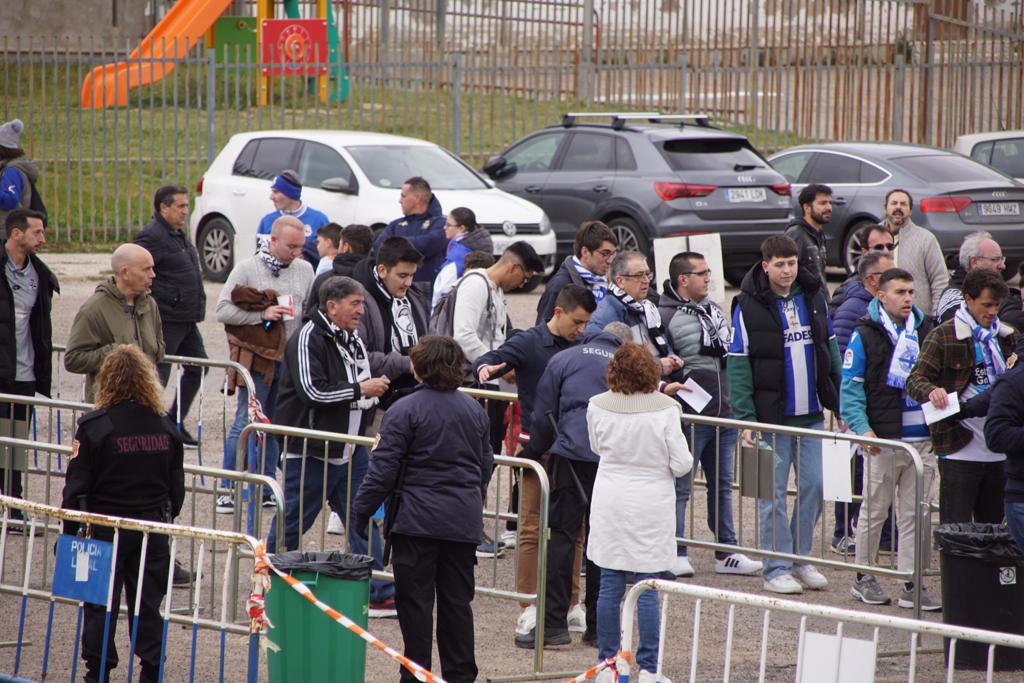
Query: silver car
column 953, row 195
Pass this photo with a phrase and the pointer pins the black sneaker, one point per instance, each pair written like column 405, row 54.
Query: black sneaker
column 187, row 439
column 528, row 640
column 589, row 638
column 182, row 576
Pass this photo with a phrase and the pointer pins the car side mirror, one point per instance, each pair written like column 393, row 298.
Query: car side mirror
column 340, row 185
column 497, row 166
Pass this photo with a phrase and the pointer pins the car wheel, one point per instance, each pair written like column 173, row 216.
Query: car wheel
column 852, row 245
column 216, row 245
column 629, row 235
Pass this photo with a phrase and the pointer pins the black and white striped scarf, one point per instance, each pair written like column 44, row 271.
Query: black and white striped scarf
column 714, row 328
column 648, row 313
column 399, row 324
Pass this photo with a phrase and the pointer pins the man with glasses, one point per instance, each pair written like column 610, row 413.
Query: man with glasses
column 873, row 237
column 699, row 332
column 917, row 251
column 979, row 250
column 593, row 251
column 627, row 302
column 859, row 297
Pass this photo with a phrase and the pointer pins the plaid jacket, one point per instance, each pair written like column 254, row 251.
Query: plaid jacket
column 947, row 361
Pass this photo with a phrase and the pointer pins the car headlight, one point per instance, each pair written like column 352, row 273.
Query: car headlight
column 545, row 224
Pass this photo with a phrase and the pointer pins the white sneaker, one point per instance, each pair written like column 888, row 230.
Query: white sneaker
column 682, row 566
column 784, row 584
column 334, row 525
column 577, row 619
column 651, row 677
column 508, row 539
column 737, row 563
column 809, row 577
column 527, row 620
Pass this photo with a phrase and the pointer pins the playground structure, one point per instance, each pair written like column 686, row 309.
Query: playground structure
column 285, row 47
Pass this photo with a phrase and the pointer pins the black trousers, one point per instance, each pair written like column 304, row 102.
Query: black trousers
column 126, row 578
column 10, row 478
column 568, row 513
column 425, row 567
column 971, row 491
column 183, row 339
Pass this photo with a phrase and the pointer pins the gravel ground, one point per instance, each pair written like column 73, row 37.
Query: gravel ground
column 494, row 618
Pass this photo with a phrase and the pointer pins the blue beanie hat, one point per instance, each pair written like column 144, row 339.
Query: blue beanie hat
column 288, row 184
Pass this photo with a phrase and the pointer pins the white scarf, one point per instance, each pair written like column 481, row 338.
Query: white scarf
column 906, row 350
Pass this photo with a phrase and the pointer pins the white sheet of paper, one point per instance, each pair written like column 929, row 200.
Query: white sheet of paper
column 933, row 414
column 81, row 566
column 836, row 481
column 696, row 397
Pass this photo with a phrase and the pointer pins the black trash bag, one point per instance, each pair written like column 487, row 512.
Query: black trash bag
column 334, row 564
column 991, row 542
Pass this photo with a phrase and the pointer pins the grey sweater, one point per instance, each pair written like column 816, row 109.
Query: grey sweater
column 296, row 280
column 919, row 253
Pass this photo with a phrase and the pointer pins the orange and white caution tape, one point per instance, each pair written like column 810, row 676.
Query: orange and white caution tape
column 264, row 566
column 599, row 667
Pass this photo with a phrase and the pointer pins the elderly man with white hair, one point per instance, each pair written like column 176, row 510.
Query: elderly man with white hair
column 979, row 250
column 120, row 311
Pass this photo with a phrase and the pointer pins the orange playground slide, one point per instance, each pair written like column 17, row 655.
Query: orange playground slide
column 171, row 39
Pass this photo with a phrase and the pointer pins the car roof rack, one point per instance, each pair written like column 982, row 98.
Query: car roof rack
column 619, row 119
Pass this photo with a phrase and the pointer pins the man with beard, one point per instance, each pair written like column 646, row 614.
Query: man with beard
column 917, row 251
column 808, row 231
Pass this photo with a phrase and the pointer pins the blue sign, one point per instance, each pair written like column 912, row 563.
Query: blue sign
column 82, row 569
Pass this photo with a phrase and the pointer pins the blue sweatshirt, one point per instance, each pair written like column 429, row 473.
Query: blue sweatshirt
column 310, row 217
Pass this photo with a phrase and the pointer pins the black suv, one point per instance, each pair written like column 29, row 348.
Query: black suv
column 649, row 176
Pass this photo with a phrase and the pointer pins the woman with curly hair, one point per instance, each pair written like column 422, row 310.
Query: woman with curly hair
column 637, row 432
column 431, row 467
column 127, row 462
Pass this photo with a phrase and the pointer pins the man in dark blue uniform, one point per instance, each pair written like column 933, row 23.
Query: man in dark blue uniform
column 422, row 223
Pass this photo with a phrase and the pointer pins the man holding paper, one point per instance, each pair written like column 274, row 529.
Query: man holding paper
column 784, row 369
column 874, row 402
column 699, row 332
column 959, row 362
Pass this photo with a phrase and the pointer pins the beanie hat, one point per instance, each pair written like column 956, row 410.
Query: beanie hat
column 288, row 184
column 10, row 134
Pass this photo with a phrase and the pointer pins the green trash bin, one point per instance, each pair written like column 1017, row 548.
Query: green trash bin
column 312, row 646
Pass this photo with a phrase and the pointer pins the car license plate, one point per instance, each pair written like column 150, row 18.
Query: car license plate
column 746, row 194
column 999, row 209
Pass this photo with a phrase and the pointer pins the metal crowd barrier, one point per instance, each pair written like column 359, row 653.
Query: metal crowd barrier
column 48, row 635
column 317, row 459
column 921, row 507
column 194, row 513
column 819, row 656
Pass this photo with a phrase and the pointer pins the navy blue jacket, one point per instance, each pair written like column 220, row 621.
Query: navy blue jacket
column 426, row 232
column 528, row 353
column 566, row 274
column 854, row 307
column 1004, row 428
column 572, row 377
column 178, row 285
column 445, row 438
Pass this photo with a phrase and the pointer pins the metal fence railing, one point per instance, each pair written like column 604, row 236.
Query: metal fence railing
column 826, row 644
column 44, row 645
column 782, row 73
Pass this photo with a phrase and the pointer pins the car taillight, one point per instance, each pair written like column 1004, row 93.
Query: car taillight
column 670, row 191
column 199, row 186
column 944, row 204
column 781, row 189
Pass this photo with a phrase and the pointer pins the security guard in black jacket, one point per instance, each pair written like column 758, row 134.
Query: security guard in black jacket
column 127, row 462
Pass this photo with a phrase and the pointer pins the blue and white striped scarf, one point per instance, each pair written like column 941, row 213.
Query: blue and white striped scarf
column 988, row 340
column 598, row 285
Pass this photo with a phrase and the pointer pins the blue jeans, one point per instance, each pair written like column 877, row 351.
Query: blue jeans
column 718, row 464
column 793, row 535
column 267, row 396
column 613, row 587
column 1015, row 520
column 312, row 499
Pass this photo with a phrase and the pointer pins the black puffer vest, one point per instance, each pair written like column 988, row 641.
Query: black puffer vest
column 766, row 347
column 885, row 403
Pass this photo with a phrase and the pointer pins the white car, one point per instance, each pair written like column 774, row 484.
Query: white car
column 353, row 177
column 1003, row 151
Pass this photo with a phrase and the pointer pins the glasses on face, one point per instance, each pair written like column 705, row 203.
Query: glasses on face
column 644, row 275
column 888, row 246
column 999, row 260
column 706, row 273
column 605, row 253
